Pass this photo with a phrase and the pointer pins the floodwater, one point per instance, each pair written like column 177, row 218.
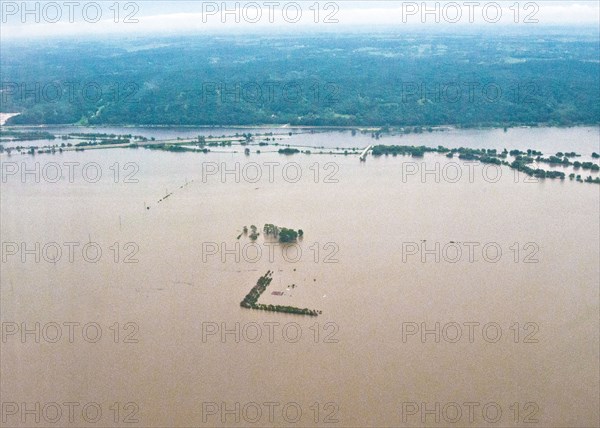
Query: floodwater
column 526, row 301
column 584, row 140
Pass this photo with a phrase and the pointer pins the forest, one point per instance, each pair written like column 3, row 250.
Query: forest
column 388, row 78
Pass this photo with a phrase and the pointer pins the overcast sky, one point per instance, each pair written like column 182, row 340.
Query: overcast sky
column 64, row 18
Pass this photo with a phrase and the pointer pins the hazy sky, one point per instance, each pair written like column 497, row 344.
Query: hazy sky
column 60, row 18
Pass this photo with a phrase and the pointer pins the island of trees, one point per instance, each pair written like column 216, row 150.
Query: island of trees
column 282, row 234
column 251, row 299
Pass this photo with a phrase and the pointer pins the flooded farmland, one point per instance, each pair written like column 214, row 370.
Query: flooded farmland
column 450, row 293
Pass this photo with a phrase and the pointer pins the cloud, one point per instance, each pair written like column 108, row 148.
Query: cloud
column 202, row 17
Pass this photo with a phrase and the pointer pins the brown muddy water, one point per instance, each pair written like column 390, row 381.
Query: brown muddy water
column 467, row 297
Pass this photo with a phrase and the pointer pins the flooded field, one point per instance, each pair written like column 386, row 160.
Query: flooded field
column 583, row 139
column 450, row 293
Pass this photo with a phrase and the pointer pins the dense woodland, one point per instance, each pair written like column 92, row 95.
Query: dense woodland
column 387, row 78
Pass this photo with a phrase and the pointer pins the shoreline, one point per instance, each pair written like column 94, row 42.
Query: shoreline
column 366, row 128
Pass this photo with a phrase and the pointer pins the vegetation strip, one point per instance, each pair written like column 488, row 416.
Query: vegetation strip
column 251, row 299
column 492, row 156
